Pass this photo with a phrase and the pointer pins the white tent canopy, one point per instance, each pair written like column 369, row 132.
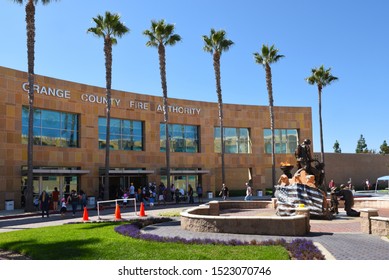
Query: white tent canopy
column 383, row 178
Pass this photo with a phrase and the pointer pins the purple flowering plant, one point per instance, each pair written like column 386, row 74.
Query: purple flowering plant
column 299, row 249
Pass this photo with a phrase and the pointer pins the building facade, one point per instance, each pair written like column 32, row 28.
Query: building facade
column 70, row 128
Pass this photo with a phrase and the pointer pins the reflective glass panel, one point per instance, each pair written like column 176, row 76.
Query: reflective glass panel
column 183, row 138
column 285, row 140
column 124, row 134
column 236, row 140
column 51, row 128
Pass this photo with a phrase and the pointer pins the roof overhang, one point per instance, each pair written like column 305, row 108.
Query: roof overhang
column 129, row 172
column 186, row 172
column 57, row 172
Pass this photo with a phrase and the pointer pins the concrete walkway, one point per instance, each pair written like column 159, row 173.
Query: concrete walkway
column 340, row 238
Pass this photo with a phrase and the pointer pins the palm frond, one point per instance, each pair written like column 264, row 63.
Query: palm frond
column 161, row 33
column 216, row 42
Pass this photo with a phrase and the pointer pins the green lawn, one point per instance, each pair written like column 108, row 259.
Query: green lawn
column 99, row 241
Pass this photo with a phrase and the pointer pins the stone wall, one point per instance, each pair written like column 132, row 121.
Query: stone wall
column 358, row 167
column 373, row 224
column 379, row 226
column 371, row 203
column 206, row 219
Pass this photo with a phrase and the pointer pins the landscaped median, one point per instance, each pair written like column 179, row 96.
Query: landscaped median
column 299, row 249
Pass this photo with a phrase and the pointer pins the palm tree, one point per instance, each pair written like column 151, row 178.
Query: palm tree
column 267, row 57
column 321, row 77
column 108, row 27
column 162, row 34
column 30, row 27
column 216, row 44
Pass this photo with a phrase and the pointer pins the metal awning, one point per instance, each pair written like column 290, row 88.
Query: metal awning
column 186, row 172
column 132, row 172
column 58, row 171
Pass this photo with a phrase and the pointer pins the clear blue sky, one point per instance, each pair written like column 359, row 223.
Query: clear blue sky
column 350, row 36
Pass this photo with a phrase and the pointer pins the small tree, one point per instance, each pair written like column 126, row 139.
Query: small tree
column 361, row 146
column 337, row 148
column 384, row 149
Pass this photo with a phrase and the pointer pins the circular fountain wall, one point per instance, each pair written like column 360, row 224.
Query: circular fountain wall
column 208, row 218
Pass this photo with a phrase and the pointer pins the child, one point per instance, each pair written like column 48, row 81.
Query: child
column 151, row 199
column 36, row 203
column 125, row 199
column 63, row 207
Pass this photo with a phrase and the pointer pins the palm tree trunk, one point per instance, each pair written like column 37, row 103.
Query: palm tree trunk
column 162, row 69
column 30, row 25
column 321, row 132
column 108, row 78
column 271, row 101
column 216, row 66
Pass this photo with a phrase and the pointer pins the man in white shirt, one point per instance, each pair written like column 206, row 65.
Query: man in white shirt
column 249, row 192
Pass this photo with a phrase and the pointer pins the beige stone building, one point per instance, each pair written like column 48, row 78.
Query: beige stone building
column 69, row 139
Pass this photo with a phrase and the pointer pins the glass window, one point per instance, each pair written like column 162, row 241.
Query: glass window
column 124, row 134
column 52, row 128
column 236, row 140
column 285, row 140
column 183, row 138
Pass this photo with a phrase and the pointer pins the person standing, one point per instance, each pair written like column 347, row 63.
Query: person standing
column 249, row 192
column 224, row 193
column 177, row 195
column 45, row 202
column 190, row 194
column 84, row 199
column 73, row 199
column 199, row 191
column 55, row 198
column 172, row 189
column 132, row 190
column 367, row 184
column 161, row 193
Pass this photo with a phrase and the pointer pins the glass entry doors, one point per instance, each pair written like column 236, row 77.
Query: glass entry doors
column 182, row 182
column 64, row 184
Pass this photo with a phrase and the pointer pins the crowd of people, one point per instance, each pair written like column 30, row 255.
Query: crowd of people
column 46, row 201
column 152, row 194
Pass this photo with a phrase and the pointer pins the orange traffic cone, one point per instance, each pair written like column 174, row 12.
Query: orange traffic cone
column 142, row 210
column 118, row 216
column 85, row 217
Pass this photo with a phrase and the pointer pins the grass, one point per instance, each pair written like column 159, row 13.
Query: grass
column 99, row 241
column 173, row 213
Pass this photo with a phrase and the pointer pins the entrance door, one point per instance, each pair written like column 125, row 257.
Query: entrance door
column 119, row 184
column 64, row 184
column 182, row 182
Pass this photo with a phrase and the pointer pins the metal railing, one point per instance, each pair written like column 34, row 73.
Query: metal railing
column 116, row 204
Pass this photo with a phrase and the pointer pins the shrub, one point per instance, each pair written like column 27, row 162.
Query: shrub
column 299, row 249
